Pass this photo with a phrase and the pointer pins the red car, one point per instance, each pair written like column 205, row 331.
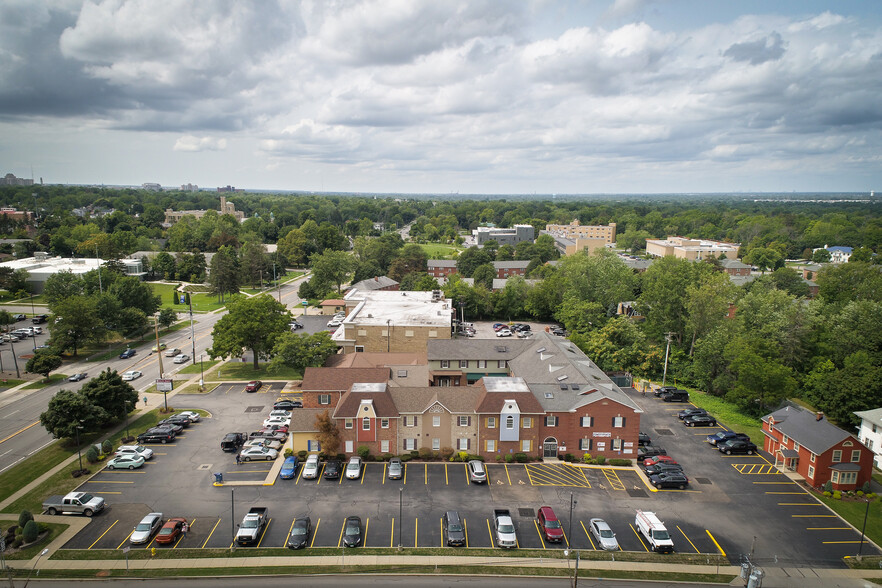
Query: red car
column 658, row 459
column 550, row 525
column 171, row 530
column 276, row 427
column 253, row 386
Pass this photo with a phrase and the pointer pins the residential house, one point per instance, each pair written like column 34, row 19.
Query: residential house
column 733, row 267
column 809, row 444
column 504, row 269
column 870, row 432
column 377, row 283
column 462, row 362
column 509, row 418
column 441, row 268
column 366, row 416
column 323, row 387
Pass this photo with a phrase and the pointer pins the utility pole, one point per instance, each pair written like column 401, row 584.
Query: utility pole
column 570, row 525
column 14, row 358
column 667, row 350
column 192, row 335
column 98, row 261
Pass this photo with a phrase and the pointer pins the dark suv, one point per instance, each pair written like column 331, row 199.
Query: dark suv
column 455, row 531
column 663, row 467
column 332, row 469
column 670, row 480
column 233, row 441
column 690, row 411
column 700, row 420
column 737, row 446
column 676, row 396
column 156, row 436
column 650, row 451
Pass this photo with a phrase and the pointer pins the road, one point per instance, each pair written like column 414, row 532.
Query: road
column 20, row 432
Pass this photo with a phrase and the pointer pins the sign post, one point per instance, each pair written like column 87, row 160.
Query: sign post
column 165, row 386
column 126, row 551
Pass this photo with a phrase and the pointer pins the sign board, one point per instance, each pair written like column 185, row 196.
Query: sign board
column 164, row 385
column 126, row 549
column 183, row 299
column 305, row 303
column 601, row 434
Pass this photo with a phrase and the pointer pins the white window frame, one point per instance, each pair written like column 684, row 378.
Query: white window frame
column 812, row 457
column 436, row 420
column 618, row 422
column 586, row 421
column 436, row 444
column 491, row 422
column 811, row 472
column 349, row 446
column 464, row 363
column 585, row 444
column 324, row 399
column 384, row 423
column 491, row 444
column 462, row 421
column 509, row 422
column 445, row 364
column 616, row 444
column 384, row 446
column 855, row 456
column 550, row 421
column 347, row 423
column 795, row 445
column 359, row 348
column 410, row 444
column 462, row 444
column 837, row 456
column 366, row 424
column 526, row 422
column 482, row 364
column 526, row 445
column 502, row 364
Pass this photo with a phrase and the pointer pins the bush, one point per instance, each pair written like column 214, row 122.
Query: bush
column 17, row 543
column 827, row 493
column 24, row 517
column 828, row 487
column 426, row 453
column 860, row 492
column 499, row 459
column 302, row 454
column 837, row 495
column 92, row 455
column 415, row 453
column 30, row 532
column 509, row 458
column 405, row 457
column 341, row 457
column 289, row 452
column 587, row 458
column 364, row 451
column 107, row 447
column 866, row 487
column 470, row 457
column 446, row 452
column 616, row 461
column 569, row 457
column 386, row 456
column 600, row 459
column 521, row 457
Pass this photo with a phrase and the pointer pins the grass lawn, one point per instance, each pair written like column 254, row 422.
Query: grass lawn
column 55, row 529
column 165, row 294
column 205, row 302
column 194, row 389
column 243, row 372
column 728, row 414
column 853, row 511
column 43, row 383
column 152, row 388
column 11, row 383
column 197, row 367
column 440, row 250
column 62, row 481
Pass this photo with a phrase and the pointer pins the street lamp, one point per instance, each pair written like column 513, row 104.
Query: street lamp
column 14, row 358
column 126, row 411
column 570, row 526
column 400, row 494
column 42, row 553
column 864, row 528
column 667, row 349
column 202, row 370
column 79, row 452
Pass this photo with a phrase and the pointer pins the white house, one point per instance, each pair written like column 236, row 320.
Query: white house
column 870, row 433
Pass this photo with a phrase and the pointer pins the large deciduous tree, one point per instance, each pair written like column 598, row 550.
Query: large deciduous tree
column 300, row 351
column 76, row 323
column 224, row 276
column 332, row 268
column 110, row 394
column 251, row 323
column 68, row 409
column 43, row 363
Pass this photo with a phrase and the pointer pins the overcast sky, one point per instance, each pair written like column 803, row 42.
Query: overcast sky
column 442, row 96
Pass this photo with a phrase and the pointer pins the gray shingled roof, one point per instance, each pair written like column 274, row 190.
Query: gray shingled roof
column 374, row 283
column 441, row 263
column 874, row 416
column 518, row 263
column 733, row 264
column 455, row 349
column 803, row 427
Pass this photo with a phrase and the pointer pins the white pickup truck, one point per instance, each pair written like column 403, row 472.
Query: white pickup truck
column 505, row 529
column 74, row 503
column 654, row 531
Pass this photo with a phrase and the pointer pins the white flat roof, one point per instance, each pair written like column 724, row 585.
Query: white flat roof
column 398, row 309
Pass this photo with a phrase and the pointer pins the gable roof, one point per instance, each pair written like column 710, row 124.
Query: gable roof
column 873, row 416
column 303, row 419
column 332, row 302
column 374, row 283
column 370, row 359
column 489, row 349
column 456, row 400
column 733, row 264
column 377, row 394
column 514, row 264
column 494, row 392
column 441, row 263
column 804, row 427
column 325, row 379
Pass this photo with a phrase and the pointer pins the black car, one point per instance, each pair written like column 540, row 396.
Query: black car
column 670, row 480
column 454, row 529
column 662, row 467
column 333, row 469
column 700, row 420
column 127, row 354
column 155, row 436
column 176, row 420
column 233, row 441
column 299, row 537
column 725, row 436
column 287, row 404
column 690, row 411
column 643, row 439
column 77, row 377
column 737, row 446
column 662, row 390
column 676, row 396
column 39, row 319
column 19, row 317
column 649, row 451
column 166, row 426
column 352, row 532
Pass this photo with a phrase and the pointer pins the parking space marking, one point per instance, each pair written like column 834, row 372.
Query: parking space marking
column 587, row 534
column 507, row 474
column 181, row 538
column 416, row 526
column 828, row 528
column 367, row 523
column 809, row 516
column 639, row 537
column 103, row 534
column 799, row 504
column 755, row 468
column 265, row 529
column 109, row 471
column 109, row 482
column 392, row 534
column 126, row 539
column 556, row 475
column 104, row 492
column 723, row 553
column 567, row 539
column 613, row 478
column 833, row 542
column 426, row 473
column 340, row 538
column 248, row 472
column 210, row 534
column 538, row 532
column 446, row 480
column 784, row 493
column 405, row 474
column 465, row 525
column 489, row 532
column 289, row 531
column 688, row 539
column 384, row 474
column 315, row 532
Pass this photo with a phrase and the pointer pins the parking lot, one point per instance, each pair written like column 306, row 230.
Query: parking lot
column 733, row 503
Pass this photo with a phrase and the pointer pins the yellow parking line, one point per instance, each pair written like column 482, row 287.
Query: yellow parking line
column 426, row 473
column 320, row 475
column 315, row 532
column 364, row 475
column 587, row 534
column 688, row 539
column 109, row 482
column 639, row 537
column 784, row 493
column 367, row 523
column 150, row 542
column 814, row 516
column 536, row 524
column 248, row 472
column 489, row 532
column 567, row 539
column 465, row 525
column 181, row 538
column 109, row 471
column 210, row 534
column 103, row 534
column 833, row 542
column 441, row 526
column 466, row 471
column 289, row 531
column 507, row 474
column 446, row 480
column 828, row 528
column 384, row 474
column 405, row 474
column 265, row 529
column 723, row 553
column 392, row 534
column 126, row 539
column 339, row 539
column 416, row 525
column 799, row 504
column 104, row 492
column 532, row 483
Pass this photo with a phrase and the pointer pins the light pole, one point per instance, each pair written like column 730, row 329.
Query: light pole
column 14, row 358
column 202, row 370
column 667, row 349
column 400, row 494
column 864, row 528
column 126, row 411
column 42, row 553
column 79, row 452
column 570, row 525
column 233, row 516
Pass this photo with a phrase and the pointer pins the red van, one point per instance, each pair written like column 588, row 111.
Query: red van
column 550, row 525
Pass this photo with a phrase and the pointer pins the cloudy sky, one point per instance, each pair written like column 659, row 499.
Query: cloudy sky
column 441, row 96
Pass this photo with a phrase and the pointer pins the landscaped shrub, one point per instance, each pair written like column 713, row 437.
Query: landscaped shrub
column 92, row 455
column 866, row 487
column 470, row 457
column 499, row 459
column 587, row 458
column 415, row 453
column 828, row 494
column 569, row 457
column 521, row 457
column 600, row 459
column 828, row 487
column 302, row 454
column 107, row 447
column 18, row 541
column 446, row 452
column 363, row 451
column 617, row 461
column 386, row 456
column 860, row 492
column 425, row 453
column 30, row 532
column 341, row 456
column 289, row 452
column 405, row 457
column 24, row 517
column 837, row 495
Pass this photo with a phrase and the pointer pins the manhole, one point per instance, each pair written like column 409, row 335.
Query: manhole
column 254, row 409
column 703, row 480
column 526, row 512
column 204, row 466
column 664, row 431
column 636, row 493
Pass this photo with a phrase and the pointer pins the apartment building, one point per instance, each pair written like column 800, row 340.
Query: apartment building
column 691, row 249
column 462, row 362
column 511, row 236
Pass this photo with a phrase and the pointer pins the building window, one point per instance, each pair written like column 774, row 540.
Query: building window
column 384, row 423
column 509, row 422
column 445, row 364
column 785, row 440
column 410, row 421
column 365, row 424
column 551, row 421
column 436, row 444
column 491, row 445
column 482, row 364
column 463, row 444
column 402, row 373
column 525, row 445
column 501, row 364
column 616, row 444
column 347, row 423
column 464, row 421
column 835, row 478
column 463, row 363
column 324, row 399
column 359, row 348
column 837, row 455
column 811, row 472
column 408, row 333
column 812, row 457
column 585, row 444
column 384, row 446
column 527, row 422
column 436, row 420
column 491, row 422
column 587, row 421
column 855, row 455
column 348, row 448
column 795, row 446
column 409, row 444
column 869, row 443
column 618, row 422
column 848, row 478
column 362, row 333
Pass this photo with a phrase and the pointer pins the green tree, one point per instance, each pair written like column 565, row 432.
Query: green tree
column 847, row 282
column 509, row 302
column 167, row 317
column 484, row 275
column 76, row 322
column 663, row 297
column 761, row 379
column 43, row 363
column 419, row 282
column 470, row 259
column 61, row 285
column 301, row 351
column 164, row 265
column 68, row 409
column 133, row 293
column 839, row 392
column 110, row 394
column 332, row 268
column 706, row 304
column 224, row 276
column 254, row 263
column 764, row 258
column 251, row 323
column 821, row 256
column 30, row 532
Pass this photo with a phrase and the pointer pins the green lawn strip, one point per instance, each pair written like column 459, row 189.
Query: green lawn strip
column 55, row 529
column 165, row 294
column 43, row 383
column 728, row 414
column 11, row 383
column 205, row 302
column 439, row 250
column 196, row 368
column 194, row 388
column 238, row 371
column 853, row 511
column 61, row 482
column 175, row 384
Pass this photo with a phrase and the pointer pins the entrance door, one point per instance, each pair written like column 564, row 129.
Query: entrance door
column 549, row 448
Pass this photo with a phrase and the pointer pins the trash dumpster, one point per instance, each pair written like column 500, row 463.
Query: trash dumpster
column 219, row 477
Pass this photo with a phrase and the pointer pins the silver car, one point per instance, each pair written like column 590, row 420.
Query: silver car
column 257, row 453
column 144, row 452
column 604, row 535
column 396, row 469
column 353, row 468
column 146, row 528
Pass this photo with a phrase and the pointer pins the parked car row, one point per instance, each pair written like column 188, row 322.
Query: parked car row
column 166, row 532
column 662, row 470
column 167, row 430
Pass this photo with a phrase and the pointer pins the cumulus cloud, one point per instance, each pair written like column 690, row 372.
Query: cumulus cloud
column 755, row 52
column 193, row 144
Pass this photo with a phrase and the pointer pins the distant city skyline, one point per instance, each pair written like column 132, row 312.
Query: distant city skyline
column 478, row 97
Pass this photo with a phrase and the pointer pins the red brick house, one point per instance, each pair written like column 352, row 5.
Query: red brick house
column 441, row 268
column 366, row 415
column 807, row 443
column 506, row 269
column 509, row 418
column 323, row 387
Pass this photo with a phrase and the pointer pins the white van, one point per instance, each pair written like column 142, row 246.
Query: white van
column 311, row 467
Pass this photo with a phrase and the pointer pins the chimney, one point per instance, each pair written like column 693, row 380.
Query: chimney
column 377, row 279
column 819, row 416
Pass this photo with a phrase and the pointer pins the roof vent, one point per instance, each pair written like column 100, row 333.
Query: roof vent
column 549, row 395
column 574, row 387
column 563, row 386
column 540, row 350
column 562, row 378
column 501, row 348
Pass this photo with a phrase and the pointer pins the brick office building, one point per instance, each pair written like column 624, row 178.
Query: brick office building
column 436, row 418
column 366, row 415
column 441, row 268
column 509, row 418
column 505, row 269
column 323, row 387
